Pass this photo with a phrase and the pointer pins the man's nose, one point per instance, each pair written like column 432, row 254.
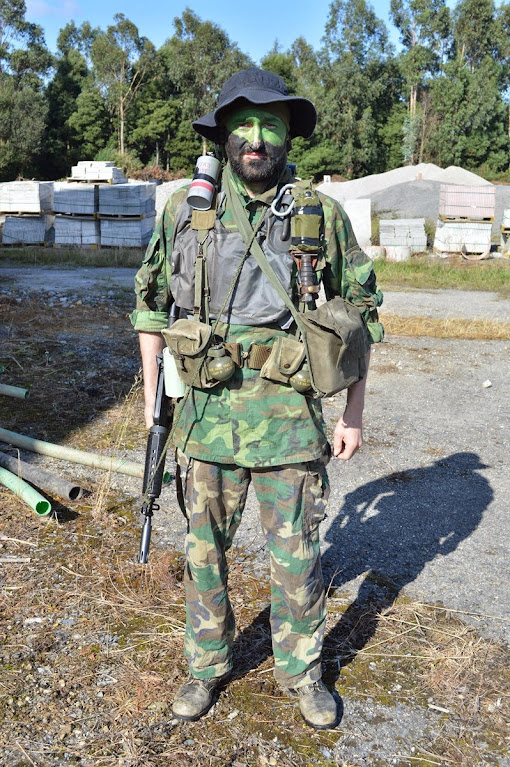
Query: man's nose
column 257, row 136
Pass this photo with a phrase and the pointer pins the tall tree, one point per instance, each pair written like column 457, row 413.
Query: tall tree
column 122, row 62
column 63, row 147
column 424, row 27
column 198, row 58
column 24, row 62
column 357, row 81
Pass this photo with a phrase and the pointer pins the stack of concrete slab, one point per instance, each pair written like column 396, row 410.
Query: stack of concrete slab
column 467, row 203
column 466, row 215
column 32, row 201
column 77, row 230
column 403, row 233
column 27, row 230
column 132, row 232
column 92, row 170
column 136, row 198
column 80, row 199
column 26, row 196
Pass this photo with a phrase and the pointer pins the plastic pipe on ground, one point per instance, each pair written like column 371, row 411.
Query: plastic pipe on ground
column 119, row 465
column 13, row 391
column 23, row 490
column 44, row 479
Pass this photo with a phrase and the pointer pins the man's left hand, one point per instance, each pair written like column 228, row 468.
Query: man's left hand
column 347, row 440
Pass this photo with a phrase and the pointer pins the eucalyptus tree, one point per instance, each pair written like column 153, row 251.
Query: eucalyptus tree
column 123, row 62
column 357, row 84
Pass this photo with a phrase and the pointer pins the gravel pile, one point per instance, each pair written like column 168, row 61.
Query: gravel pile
column 370, row 185
column 163, row 192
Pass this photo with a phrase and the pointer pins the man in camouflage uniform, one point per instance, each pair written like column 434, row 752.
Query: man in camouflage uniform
column 251, row 429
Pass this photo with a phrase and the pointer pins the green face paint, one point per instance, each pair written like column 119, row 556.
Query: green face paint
column 257, row 125
column 256, row 146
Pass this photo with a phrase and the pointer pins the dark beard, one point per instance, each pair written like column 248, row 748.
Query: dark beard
column 266, row 169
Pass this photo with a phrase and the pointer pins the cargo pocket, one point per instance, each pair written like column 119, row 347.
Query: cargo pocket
column 316, row 494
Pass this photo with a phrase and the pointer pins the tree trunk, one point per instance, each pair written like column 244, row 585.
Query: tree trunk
column 121, row 127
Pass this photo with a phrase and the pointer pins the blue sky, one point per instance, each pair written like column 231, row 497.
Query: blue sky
column 255, row 31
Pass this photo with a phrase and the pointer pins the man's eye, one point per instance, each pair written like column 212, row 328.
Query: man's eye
column 269, row 126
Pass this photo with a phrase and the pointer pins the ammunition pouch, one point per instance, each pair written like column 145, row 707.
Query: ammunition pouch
column 287, row 356
column 189, row 341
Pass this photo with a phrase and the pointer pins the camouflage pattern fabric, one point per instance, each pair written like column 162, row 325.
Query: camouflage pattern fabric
column 249, row 421
column 292, row 502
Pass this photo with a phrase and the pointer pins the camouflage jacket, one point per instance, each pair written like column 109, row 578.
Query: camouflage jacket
column 250, row 421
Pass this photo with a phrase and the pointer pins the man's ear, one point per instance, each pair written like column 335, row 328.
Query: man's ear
column 289, row 144
column 222, row 134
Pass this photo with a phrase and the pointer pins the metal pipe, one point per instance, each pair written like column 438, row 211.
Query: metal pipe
column 23, row 490
column 13, row 391
column 120, row 465
column 44, row 479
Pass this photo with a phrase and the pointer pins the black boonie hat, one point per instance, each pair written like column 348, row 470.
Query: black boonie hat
column 259, row 86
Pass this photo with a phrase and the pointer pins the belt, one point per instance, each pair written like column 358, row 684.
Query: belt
column 253, row 359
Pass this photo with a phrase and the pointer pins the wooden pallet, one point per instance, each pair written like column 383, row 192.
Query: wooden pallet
column 25, row 245
column 92, row 245
column 91, row 181
column 22, row 213
column 465, row 219
column 91, row 216
column 125, row 217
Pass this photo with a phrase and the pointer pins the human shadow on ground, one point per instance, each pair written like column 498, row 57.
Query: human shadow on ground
column 386, row 530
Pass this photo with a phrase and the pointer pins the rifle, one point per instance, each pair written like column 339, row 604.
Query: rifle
column 156, row 452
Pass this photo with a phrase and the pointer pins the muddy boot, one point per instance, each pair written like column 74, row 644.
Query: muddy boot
column 194, row 698
column 317, row 705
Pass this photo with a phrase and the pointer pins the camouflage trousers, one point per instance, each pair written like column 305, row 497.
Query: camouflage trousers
column 292, row 501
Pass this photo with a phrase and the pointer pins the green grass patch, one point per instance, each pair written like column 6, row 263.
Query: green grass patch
column 37, row 256
column 453, row 273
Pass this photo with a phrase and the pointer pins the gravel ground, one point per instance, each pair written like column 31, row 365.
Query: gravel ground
column 420, row 510
column 424, row 503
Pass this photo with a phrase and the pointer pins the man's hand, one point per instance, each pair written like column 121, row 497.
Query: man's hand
column 348, row 436
column 347, row 439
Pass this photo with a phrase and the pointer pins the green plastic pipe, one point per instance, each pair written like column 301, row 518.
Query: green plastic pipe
column 119, row 465
column 13, row 391
column 26, row 492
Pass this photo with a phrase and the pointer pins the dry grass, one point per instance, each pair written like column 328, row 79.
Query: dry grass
column 451, row 327
column 112, row 628
column 91, row 642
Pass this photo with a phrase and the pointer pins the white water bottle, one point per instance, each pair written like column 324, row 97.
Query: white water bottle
column 174, row 387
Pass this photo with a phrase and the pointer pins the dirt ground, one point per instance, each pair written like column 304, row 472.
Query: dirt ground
column 417, row 535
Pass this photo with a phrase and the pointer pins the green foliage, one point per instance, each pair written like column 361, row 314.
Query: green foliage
column 184, row 147
column 128, row 161
column 21, row 129
column 90, row 122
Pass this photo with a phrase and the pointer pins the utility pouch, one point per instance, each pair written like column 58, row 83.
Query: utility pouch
column 189, row 341
column 287, row 356
column 337, row 343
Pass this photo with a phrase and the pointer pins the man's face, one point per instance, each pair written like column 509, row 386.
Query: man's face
column 256, row 145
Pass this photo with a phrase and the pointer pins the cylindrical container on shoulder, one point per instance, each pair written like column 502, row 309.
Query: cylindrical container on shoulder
column 203, row 185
